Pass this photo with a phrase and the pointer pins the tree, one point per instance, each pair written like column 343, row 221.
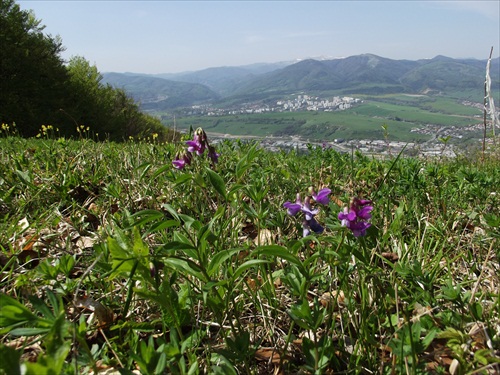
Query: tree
column 108, row 110
column 32, row 72
column 38, row 88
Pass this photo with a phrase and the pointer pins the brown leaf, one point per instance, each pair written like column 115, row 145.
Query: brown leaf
column 104, row 314
column 85, row 242
column 393, row 257
column 265, row 237
column 336, row 297
column 337, row 201
column 268, row 355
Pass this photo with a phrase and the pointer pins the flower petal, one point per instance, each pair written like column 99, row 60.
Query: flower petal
column 359, row 229
column 179, row 163
column 364, row 213
column 315, row 226
column 306, row 230
column 322, row 196
column 292, row 208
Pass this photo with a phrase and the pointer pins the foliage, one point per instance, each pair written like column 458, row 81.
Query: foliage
column 111, row 258
column 32, row 73
column 39, row 89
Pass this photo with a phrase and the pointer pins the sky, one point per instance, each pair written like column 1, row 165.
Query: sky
column 178, row 36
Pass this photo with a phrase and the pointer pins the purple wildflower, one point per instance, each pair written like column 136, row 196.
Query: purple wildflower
column 212, row 154
column 322, row 196
column 309, row 223
column 308, row 210
column 180, row 161
column 312, row 224
column 197, row 145
column 293, row 208
column 357, row 217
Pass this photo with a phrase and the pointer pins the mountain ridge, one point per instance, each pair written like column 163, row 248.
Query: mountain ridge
column 365, row 73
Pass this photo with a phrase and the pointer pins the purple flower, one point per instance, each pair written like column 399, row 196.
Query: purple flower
column 197, row 145
column 180, row 162
column 309, row 223
column 212, row 154
column 199, row 142
column 322, row 196
column 293, row 208
column 357, row 217
column 307, row 209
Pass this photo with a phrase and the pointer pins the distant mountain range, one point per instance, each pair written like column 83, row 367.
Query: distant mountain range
column 360, row 74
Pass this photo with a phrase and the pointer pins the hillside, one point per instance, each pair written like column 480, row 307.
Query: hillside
column 159, row 93
column 225, row 80
column 361, row 74
column 116, row 259
column 372, row 74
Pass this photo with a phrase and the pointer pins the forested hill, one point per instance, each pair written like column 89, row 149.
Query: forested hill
column 40, row 90
column 365, row 73
column 153, row 91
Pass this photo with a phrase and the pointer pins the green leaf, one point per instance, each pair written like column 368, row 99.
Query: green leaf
column 476, row 310
column 13, row 312
column 217, row 182
column 122, row 260
column 248, row 264
column 10, row 360
column 183, row 178
column 280, row 252
column 146, row 216
column 220, row 258
column 24, row 177
column 186, row 265
column 301, row 315
column 162, row 225
column 429, row 337
column 140, row 248
column 29, row 331
column 492, row 220
column 485, row 356
column 159, row 171
column 161, row 364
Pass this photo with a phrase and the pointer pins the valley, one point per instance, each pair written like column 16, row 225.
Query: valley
column 378, row 124
column 359, row 99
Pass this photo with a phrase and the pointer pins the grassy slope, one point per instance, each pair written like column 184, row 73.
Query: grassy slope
column 202, row 271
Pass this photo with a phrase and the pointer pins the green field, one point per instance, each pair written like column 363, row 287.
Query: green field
column 399, row 112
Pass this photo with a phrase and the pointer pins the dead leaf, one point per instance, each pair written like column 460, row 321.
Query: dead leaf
column 104, row 314
column 454, row 367
column 265, row 237
column 393, row 257
column 336, row 297
column 337, row 201
column 85, row 242
column 30, row 352
column 268, row 355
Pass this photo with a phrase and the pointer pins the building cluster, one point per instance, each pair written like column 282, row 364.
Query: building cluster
column 309, row 103
column 300, row 103
column 368, row 147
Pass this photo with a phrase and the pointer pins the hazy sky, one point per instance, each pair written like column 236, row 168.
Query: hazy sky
column 175, row 36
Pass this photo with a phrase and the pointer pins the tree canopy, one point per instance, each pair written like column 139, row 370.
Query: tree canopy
column 39, row 87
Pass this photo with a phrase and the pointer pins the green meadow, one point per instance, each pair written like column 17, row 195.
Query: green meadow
column 114, row 261
column 400, row 113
